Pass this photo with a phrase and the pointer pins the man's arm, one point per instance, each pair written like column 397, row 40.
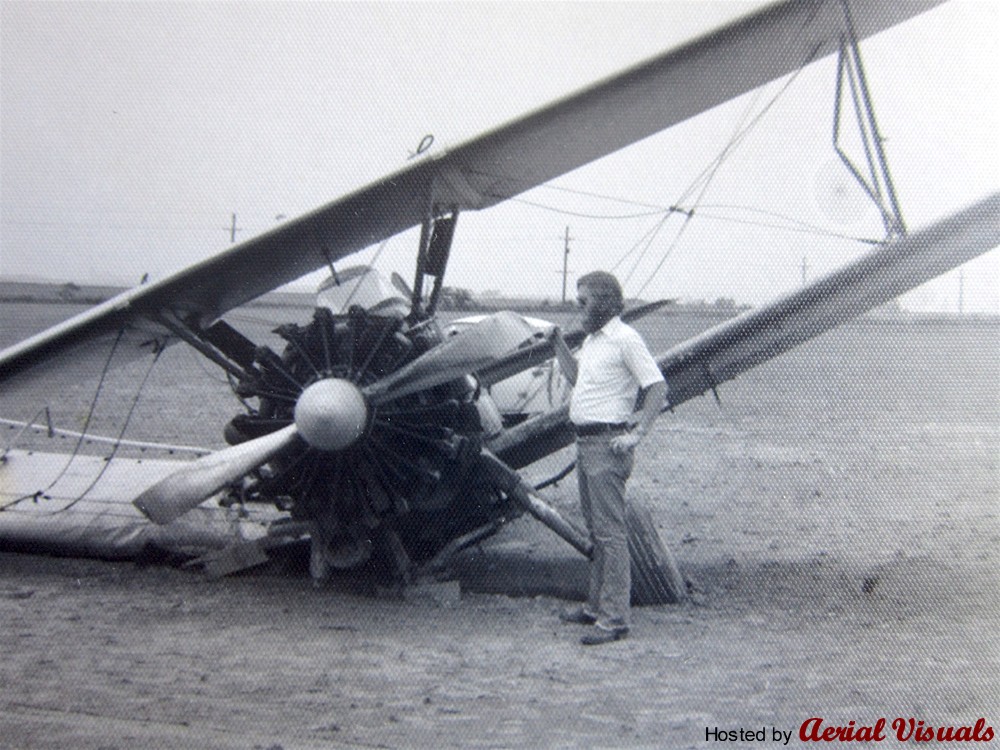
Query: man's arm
column 567, row 362
column 653, row 398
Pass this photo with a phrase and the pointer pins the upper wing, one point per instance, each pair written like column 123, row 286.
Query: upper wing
column 721, row 353
column 490, row 168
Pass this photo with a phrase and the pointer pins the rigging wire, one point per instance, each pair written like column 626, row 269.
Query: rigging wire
column 792, row 225
column 581, row 215
column 710, row 172
column 705, row 176
column 197, row 359
column 654, row 232
column 601, row 196
column 371, row 264
column 121, row 433
column 83, row 431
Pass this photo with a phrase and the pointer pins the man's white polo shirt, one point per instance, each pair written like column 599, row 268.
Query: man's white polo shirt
column 612, row 366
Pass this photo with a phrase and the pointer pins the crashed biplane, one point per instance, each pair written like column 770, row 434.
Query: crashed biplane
column 373, row 432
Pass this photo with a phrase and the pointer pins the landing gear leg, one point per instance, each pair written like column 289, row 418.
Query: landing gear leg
column 399, row 569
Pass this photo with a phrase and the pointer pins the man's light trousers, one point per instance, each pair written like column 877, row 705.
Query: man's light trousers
column 602, row 475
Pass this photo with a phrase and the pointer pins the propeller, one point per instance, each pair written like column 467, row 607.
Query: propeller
column 331, row 415
column 526, row 357
column 467, row 351
column 187, row 488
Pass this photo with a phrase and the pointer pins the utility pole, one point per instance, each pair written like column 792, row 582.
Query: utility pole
column 233, row 229
column 961, row 291
column 565, row 263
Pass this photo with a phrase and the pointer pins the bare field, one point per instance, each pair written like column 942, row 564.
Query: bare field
column 837, row 514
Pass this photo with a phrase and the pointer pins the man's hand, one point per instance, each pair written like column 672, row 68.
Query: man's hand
column 652, row 398
column 567, row 362
column 625, row 443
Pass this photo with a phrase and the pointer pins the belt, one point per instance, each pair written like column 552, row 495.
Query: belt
column 599, row 428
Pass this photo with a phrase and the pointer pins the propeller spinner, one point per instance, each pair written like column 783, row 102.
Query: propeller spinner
column 331, row 414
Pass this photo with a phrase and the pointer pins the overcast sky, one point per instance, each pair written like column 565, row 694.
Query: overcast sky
column 131, row 132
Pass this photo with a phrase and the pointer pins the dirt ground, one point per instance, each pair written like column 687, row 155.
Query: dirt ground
column 837, row 516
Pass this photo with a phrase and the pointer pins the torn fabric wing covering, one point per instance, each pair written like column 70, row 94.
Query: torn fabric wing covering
column 104, row 523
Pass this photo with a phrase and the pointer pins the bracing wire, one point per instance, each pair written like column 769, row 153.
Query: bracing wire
column 709, row 173
column 582, row 215
column 83, row 432
column 783, row 222
column 698, row 188
column 791, row 224
column 371, row 264
column 700, row 184
column 121, row 433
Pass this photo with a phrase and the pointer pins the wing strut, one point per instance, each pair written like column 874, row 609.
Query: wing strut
column 878, row 185
column 210, row 347
column 436, row 235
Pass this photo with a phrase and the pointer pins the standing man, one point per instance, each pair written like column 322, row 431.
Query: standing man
column 614, row 373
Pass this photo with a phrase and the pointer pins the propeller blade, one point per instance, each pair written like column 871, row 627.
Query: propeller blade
column 401, row 285
column 186, row 488
column 525, row 358
column 465, row 352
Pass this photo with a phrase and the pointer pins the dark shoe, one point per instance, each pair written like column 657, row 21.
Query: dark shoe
column 599, row 635
column 578, row 616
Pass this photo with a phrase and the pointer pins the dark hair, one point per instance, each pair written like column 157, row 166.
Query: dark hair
column 605, row 286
